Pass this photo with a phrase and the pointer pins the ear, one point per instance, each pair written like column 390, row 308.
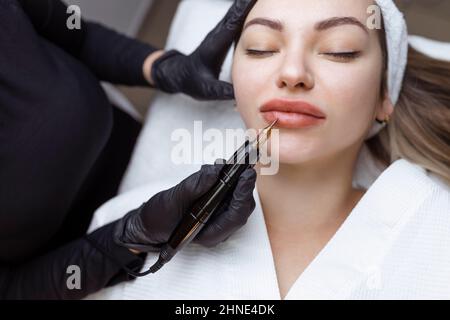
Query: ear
column 386, row 108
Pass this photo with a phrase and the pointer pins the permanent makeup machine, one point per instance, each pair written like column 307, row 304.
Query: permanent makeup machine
column 245, row 157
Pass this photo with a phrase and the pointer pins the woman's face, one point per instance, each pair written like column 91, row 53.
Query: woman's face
column 296, row 53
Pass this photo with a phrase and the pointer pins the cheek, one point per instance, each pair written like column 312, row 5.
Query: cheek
column 249, row 81
column 349, row 93
column 352, row 95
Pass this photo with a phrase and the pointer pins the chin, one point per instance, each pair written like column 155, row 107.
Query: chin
column 295, row 150
column 289, row 157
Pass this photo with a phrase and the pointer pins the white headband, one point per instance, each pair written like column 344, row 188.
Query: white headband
column 397, row 49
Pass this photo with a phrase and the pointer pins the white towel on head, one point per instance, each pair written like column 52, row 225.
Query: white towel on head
column 397, row 49
column 397, row 46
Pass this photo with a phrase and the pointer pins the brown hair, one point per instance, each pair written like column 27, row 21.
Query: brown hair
column 420, row 127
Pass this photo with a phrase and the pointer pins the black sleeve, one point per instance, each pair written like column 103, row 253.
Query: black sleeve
column 111, row 56
column 47, row 277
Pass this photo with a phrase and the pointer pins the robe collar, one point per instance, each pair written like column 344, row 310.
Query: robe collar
column 351, row 257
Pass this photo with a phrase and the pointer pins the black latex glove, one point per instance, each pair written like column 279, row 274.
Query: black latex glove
column 150, row 226
column 197, row 74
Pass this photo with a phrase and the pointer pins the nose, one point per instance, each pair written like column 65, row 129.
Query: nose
column 294, row 73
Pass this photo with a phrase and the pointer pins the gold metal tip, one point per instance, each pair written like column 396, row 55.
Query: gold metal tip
column 270, row 126
column 265, row 134
column 274, row 123
column 268, row 130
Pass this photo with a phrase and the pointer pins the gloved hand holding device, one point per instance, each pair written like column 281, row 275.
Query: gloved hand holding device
column 149, row 227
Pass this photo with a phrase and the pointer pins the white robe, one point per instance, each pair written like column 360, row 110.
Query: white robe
column 395, row 244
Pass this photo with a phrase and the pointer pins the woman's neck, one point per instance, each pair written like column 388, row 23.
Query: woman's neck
column 311, row 196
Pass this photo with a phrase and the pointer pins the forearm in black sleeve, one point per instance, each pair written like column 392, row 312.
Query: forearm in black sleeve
column 113, row 57
column 46, row 277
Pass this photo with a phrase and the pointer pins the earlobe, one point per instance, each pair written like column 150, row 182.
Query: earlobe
column 386, row 110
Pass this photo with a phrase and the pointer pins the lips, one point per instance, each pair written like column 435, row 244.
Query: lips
column 292, row 113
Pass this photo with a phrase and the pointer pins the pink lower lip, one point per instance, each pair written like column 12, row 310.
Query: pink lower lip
column 291, row 120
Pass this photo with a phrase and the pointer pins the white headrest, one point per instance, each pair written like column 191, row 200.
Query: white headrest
column 152, row 156
column 435, row 49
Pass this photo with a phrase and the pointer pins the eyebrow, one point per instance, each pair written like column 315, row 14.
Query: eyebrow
column 320, row 26
column 273, row 24
column 339, row 21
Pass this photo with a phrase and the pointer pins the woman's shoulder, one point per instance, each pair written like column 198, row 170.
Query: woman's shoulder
column 416, row 179
column 431, row 180
column 439, row 197
column 411, row 205
column 403, row 190
column 439, row 183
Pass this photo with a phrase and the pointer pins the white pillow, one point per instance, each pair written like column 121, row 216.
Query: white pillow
column 151, row 160
column 435, row 49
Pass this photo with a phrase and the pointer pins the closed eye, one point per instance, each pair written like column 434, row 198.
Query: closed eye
column 344, row 56
column 259, row 53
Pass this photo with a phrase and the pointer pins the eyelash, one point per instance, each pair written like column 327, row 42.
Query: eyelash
column 339, row 55
column 259, row 53
column 344, row 55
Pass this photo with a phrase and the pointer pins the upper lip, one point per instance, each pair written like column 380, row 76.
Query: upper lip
column 295, row 106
